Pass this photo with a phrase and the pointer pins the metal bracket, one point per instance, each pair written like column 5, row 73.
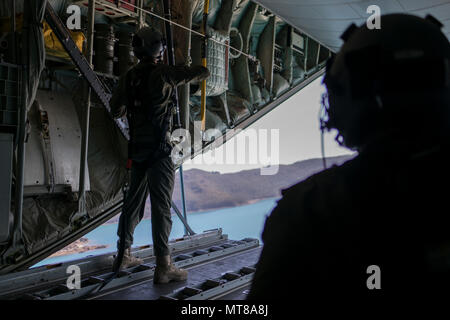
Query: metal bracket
column 47, row 150
column 14, row 253
column 183, row 220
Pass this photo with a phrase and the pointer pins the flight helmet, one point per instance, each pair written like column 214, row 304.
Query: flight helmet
column 149, row 43
column 395, row 77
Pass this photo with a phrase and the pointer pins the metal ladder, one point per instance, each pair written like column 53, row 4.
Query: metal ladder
column 82, row 64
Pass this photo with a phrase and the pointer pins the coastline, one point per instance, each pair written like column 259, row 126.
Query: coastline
column 83, row 244
column 79, row 246
column 237, row 222
column 252, row 201
column 115, row 219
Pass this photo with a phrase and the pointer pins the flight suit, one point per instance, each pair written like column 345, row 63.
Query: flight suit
column 384, row 208
column 144, row 95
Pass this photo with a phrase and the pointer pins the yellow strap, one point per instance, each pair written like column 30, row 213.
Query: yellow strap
column 206, row 7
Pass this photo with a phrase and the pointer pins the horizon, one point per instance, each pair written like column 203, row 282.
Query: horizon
column 296, row 122
column 283, row 164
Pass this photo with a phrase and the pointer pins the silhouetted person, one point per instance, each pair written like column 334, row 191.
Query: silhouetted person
column 380, row 220
column 144, row 95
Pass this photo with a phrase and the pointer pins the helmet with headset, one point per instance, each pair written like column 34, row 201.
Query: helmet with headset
column 149, row 43
column 388, row 79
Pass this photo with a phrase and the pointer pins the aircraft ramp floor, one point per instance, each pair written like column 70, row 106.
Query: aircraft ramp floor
column 218, row 268
column 214, row 269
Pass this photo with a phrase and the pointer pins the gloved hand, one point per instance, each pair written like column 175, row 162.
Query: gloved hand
column 201, row 73
column 174, row 140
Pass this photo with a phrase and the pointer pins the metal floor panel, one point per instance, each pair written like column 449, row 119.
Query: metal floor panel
column 197, row 275
column 240, row 294
column 32, row 280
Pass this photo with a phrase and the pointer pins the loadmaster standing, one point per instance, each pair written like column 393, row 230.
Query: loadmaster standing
column 144, row 95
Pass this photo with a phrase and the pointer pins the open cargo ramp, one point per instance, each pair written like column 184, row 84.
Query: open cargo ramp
column 217, row 267
column 257, row 61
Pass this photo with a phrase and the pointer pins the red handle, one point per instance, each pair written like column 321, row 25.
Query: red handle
column 129, row 163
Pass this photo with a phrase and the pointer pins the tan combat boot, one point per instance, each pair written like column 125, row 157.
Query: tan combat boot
column 165, row 271
column 128, row 260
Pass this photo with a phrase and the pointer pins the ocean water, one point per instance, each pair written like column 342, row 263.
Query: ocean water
column 238, row 223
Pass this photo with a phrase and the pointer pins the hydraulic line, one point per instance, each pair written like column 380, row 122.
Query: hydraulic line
column 253, row 58
column 86, row 115
column 205, row 64
column 171, row 60
column 171, row 56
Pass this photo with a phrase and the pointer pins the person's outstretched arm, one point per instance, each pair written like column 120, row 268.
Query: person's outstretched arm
column 179, row 75
column 161, row 82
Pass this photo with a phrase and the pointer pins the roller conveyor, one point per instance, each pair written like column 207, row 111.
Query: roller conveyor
column 217, row 267
column 210, row 280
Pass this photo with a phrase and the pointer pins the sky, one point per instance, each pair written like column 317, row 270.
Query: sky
column 297, row 122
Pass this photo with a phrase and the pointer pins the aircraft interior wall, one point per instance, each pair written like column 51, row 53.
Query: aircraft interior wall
column 271, row 59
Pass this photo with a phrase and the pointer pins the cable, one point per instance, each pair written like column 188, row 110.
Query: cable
column 322, row 147
column 180, row 26
column 323, row 114
column 116, row 265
